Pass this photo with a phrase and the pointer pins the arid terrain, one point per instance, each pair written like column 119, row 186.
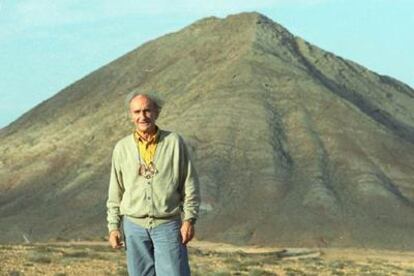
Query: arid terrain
column 294, row 146
column 97, row 258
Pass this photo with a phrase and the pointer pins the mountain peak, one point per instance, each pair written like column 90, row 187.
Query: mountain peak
column 240, row 20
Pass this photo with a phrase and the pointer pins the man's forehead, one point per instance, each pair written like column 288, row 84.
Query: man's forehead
column 141, row 101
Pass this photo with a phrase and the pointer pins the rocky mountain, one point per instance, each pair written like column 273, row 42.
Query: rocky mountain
column 294, row 145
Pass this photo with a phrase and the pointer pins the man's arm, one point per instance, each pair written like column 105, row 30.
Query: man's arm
column 115, row 193
column 190, row 193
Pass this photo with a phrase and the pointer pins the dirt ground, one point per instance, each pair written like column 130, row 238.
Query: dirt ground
column 206, row 258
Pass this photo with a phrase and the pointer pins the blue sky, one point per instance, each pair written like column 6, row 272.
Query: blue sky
column 45, row 45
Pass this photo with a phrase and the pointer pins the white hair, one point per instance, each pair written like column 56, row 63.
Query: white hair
column 157, row 103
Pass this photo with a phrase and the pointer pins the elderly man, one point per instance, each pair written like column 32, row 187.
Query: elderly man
column 153, row 194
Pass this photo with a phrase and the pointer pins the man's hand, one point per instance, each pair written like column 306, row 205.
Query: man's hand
column 187, row 232
column 115, row 239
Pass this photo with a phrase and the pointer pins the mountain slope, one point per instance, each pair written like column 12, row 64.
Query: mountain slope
column 293, row 144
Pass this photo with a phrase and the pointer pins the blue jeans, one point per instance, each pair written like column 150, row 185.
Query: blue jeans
column 155, row 251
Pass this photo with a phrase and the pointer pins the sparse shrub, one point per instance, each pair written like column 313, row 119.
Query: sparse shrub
column 99, row 256
column 293, row 272
column 122, row 271
column 197, row 252
column 270, row 260
column 221, row 273
column 337, row 265
column 410, row 271
column 46, row 249
column 42, row 248
column 251, row 262
column 61, row 239
column 39, row 257
column 195, row 272
column 364, row 268
column 260, row 272
column 100, row 248
column 232, row 263
column 392, row 266
column 76, row 254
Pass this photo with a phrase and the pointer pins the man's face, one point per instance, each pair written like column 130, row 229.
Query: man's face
column 143, row 114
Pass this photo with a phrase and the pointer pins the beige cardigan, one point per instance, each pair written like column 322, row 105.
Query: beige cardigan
column 173, row 190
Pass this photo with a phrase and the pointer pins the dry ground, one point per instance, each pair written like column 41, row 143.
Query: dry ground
column 96, row 258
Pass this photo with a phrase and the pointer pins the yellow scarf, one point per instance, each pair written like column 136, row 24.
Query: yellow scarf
column 146, row 148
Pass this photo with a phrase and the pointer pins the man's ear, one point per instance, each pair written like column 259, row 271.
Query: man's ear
column 157, row 114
